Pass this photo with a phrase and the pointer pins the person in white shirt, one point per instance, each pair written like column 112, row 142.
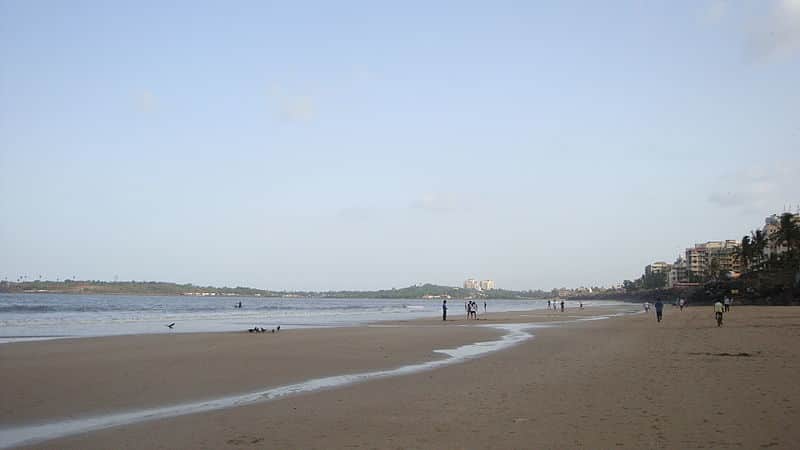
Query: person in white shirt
column 718, row 310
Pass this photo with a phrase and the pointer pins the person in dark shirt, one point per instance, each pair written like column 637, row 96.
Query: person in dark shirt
column 444, row 310
column 659, row 310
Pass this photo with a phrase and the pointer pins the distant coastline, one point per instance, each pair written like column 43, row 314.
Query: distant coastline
column 95, row 287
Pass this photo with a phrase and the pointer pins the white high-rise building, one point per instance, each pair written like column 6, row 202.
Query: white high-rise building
column 487, row 285
column 657, row 267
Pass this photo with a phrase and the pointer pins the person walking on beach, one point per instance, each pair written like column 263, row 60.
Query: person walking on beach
column 444, row 310
column 727, row 303
column 659, row 310
column 562, row 305
column 718, row 310
column 484, row 306
column 549, row 304
column 681, row 303
column 646, row 306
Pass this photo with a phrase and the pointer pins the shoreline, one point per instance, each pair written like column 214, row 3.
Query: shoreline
column 157, row 365
column 51, row 430
column 126, row 322
column 465, row 340
column 626, row 381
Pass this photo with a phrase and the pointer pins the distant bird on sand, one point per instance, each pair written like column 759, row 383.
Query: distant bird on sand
column 171, row 325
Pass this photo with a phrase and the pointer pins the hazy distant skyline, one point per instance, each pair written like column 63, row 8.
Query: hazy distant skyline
column 340, row 145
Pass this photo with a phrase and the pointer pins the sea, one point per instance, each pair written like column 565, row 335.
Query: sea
column 49, row 316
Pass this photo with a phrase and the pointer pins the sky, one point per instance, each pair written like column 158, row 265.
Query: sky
column 364, row 145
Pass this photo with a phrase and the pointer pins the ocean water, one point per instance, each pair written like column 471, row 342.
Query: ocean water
column 47, row 316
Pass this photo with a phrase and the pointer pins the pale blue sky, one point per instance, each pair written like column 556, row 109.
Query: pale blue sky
column 333, row 145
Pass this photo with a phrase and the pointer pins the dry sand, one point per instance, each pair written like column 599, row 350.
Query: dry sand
column 625, row 382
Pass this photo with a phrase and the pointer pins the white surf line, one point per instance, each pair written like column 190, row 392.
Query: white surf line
column 31, row 434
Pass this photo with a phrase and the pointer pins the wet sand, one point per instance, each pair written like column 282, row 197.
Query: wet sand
column 57, row 379
column 625, row 382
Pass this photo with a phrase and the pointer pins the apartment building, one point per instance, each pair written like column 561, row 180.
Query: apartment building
column 678, row 273
column 772, row 226
column 487, row 285
column 699, row 257
column 656, row 267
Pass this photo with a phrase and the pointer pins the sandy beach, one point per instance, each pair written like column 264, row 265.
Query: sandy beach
column 624, row 382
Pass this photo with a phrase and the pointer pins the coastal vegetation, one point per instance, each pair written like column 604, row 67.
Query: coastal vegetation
column 437, row 291
column 771, row 262
column 97, row 287
column 770, row 271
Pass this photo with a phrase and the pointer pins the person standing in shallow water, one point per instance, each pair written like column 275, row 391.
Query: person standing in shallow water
column 444, row 310
column 659, row 310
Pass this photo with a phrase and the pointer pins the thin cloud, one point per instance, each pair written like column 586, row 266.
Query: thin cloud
column 146, row 101
column 439, row 202
column 361, row 73
column 759, row 188
column 292, row 107
column 358, row 213
column 777, row 33
column 715, row 11
column 769, row 30
column 298, row 109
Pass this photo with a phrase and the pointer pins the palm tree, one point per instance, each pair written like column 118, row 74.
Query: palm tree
column 745, row 254
column 713, row 268
column 788, row 232
column 758, row 242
